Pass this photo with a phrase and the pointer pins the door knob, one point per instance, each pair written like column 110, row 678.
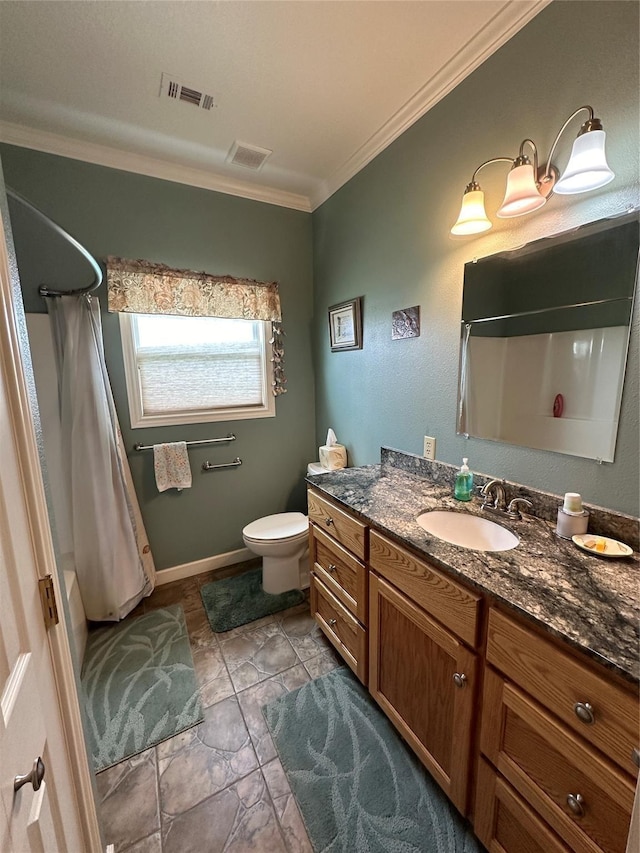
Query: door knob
column 332, row 622
column 332, row 567
column 35, row 777
column 459, row 679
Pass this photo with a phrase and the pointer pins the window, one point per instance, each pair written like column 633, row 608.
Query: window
column 194, row 369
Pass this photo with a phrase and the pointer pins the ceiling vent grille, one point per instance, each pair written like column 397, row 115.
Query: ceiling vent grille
column 172, row 88
column 248, row 156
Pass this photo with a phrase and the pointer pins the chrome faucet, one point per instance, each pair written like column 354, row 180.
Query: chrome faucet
column 495, row 501
column 494, row 489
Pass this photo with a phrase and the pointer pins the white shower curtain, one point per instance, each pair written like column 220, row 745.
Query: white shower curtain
column 113, row 560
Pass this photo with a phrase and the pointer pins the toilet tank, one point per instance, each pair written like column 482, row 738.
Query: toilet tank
column 316, row 468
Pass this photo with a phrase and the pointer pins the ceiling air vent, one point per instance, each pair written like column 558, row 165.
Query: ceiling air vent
column 248, row 156
column 172, row 88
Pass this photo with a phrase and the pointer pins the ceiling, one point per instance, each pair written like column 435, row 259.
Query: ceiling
column 324, row 84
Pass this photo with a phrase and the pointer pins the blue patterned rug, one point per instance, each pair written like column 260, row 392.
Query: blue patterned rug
column 139, row 685
column 239, row 600
column 359, row 788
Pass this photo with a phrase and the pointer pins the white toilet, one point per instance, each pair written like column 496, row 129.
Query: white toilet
column 282, row 540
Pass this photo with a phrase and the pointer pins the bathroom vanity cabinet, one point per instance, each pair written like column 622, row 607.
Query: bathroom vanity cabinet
column 530, row 738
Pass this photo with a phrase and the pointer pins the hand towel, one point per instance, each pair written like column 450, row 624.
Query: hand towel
column 171, row 466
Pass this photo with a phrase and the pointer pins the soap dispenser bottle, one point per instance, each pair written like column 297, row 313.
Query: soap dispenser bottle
column 464, row 483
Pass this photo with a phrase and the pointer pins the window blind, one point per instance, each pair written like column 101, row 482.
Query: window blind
column 192, row 379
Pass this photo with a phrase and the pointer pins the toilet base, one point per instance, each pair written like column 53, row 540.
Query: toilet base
column 280, row 574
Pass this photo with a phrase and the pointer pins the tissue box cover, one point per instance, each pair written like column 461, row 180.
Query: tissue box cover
column 333, row 457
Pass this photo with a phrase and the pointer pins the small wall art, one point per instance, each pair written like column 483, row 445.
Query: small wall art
column 345, row 325
column 405, row 323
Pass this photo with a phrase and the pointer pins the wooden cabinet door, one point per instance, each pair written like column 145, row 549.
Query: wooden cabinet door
column 505, row 823
column 415, row 668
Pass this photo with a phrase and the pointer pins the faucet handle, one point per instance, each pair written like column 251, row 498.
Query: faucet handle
column 513, row 510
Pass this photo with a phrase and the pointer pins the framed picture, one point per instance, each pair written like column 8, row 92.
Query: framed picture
column 405, row 323
column 345, row 325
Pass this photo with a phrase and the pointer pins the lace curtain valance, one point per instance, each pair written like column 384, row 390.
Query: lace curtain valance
column 143, row 287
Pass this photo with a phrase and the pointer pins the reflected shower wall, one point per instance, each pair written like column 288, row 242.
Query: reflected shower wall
column 513, row 383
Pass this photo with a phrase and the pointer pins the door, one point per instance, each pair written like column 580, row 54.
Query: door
column 35, row 666
column 423, row 677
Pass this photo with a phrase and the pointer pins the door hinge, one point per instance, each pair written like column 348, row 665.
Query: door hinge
column 48, row 601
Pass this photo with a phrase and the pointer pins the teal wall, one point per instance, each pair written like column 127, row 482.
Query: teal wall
column 385, row 236
column 117, row 213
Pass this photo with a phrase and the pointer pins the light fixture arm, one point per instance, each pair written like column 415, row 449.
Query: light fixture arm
column 487, row 163
column 522, row 157
column 592, row 123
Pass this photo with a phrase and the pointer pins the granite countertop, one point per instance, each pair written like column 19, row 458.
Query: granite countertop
column 589, row 601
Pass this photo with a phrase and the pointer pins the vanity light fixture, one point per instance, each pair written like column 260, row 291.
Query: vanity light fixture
column 529, row 186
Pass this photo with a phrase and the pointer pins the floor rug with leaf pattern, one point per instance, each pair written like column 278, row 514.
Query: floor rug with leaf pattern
column 359, row 788
column 139, row 685
column 239, row 600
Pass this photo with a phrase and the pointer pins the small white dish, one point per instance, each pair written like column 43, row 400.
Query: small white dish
column 592, row 544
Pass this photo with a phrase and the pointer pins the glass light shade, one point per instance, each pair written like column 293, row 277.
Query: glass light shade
column 587, row 168
column 472, row 218
column 522, row 194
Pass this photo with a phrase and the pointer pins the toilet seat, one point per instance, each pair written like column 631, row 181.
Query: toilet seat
column 282, row 527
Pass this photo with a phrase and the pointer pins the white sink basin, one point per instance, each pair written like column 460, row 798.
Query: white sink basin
column 468, row 531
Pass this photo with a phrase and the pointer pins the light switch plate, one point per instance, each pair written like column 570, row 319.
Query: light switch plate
column 429, row 451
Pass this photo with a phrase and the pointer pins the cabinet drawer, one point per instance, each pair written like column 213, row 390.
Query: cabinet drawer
column 584, row 797
column 505, row 823
column 340, row 572
column 341, row 627
column 347, row 530
column 450, row 603
column 566, row 686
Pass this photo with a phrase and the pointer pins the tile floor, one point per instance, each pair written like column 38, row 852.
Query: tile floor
column 219, row 786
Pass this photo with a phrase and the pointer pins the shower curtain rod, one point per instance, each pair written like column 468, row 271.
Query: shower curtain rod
column 45, row 290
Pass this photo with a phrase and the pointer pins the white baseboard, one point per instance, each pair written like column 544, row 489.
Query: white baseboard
column 198, row 567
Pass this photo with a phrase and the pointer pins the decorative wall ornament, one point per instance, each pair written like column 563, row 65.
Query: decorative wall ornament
column 145, row 287
column 277, row 346
column 345, row 325
column 405, row 323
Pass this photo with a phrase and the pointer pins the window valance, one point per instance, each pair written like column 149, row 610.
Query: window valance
column 144, row 287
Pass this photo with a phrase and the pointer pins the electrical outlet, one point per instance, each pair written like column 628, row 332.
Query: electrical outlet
column 429, row 450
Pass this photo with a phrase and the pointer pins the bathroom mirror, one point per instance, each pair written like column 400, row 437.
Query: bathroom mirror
column 545, row 333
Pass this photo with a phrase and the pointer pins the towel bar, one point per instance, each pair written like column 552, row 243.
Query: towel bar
column 230, row 437
column 207, row 466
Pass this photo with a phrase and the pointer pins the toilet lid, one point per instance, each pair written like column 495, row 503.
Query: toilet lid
column 284, row 525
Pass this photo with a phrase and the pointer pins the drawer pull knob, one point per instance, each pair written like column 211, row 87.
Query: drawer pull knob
column 584, row 712
column 328, row 521
column 332, row 568
column 332, row 622
column 576, row 804
column 459, row 679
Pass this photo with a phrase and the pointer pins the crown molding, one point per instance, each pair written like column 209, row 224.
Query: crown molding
column 140, row 164
column 485, row 42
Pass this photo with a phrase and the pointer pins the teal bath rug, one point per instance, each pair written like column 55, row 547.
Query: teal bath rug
column 139, row 685
column 359, row 788
column 236, row 601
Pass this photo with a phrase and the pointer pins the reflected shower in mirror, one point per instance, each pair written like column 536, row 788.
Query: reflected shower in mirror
column 545, row 334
